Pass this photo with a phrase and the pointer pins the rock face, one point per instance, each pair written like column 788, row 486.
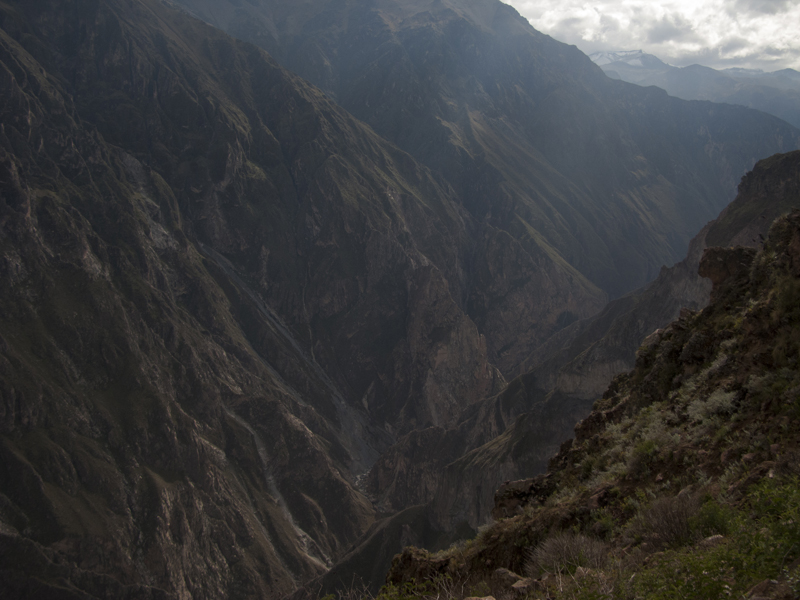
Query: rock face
column 583, row 186
column 456, row 470
column 217, row 289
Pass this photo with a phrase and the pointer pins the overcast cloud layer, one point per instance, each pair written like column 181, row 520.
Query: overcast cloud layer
column 763, row 34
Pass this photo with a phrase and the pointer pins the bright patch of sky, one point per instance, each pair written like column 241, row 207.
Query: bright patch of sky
column 758, row 34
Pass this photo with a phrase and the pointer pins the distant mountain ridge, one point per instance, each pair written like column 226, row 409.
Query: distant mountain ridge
column 776, row 93
column 634, row 58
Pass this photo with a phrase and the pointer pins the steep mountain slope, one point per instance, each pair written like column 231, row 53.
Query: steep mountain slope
column 564, row 376
column 683, row 481
column 127, row 470
column 355, row 237
column 582, row 358
column 775, row 93
column 581, row 182
column 221, row 296
column 456, row 471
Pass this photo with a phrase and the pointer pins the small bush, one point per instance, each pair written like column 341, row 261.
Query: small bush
column 603, row 526
column 669, row 520
column 711, row 519
column 480, row 589
column 642, row 456
column 588, row 466
column 565, row 552
column 718, row 403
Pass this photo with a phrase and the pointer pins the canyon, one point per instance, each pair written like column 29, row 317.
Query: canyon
column 267, row 305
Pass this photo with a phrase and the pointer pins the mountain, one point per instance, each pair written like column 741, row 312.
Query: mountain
column 584, row 187
column 682, row 482
column 225, row 297
column 776, row 93
column 217, row 288
column 631, row 58
column 455, row 472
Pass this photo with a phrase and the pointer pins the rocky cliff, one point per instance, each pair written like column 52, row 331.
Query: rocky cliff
column 221, row 297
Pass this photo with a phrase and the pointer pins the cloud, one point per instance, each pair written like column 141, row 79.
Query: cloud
column 733, row 44
column 716, row 33
column 669, row 29
column 609, row 25
column 769, row 7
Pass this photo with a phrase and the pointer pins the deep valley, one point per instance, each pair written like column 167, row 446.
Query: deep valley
column 288, row 287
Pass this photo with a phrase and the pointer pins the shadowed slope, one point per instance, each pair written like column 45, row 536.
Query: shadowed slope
column 221, row 296
column 597, row 183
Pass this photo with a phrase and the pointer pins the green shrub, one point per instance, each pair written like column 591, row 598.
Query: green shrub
column 711, row 519
column 719, row 402
column 642, row 457
column 588, row 466
column 603, row 526
column 763, row 537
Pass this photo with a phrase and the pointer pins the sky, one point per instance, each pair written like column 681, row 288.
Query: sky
column 755, row 34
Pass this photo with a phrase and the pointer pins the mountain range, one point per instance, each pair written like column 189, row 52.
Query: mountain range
column 244, row 278
column 776, row 93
